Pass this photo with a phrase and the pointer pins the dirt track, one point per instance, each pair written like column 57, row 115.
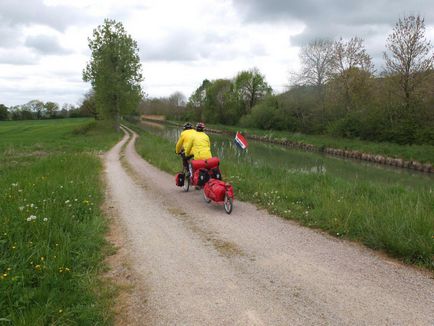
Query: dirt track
column 200, row 266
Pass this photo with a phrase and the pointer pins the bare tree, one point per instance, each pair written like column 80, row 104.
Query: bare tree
column 177, row 99
column 351, row 66
column 350, row 55
column 410, row 56
column 316, row 59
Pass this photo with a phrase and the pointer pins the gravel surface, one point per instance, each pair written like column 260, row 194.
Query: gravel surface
column 201, row 266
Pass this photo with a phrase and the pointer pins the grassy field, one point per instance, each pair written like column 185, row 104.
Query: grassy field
column 421, row 153
column 52, row 230
column 392, row 218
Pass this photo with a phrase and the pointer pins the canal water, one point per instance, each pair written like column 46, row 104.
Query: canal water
column 290, row 160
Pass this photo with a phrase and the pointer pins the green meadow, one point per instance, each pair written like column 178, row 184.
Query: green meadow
column 387, row 216
column 51, row 226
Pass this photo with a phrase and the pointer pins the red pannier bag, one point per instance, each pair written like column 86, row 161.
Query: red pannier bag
column 208, row 164
column 200, row 177
column 179, row 179
column 216, row 189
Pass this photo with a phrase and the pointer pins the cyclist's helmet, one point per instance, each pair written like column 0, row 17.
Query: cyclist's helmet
column 188, row 125
column 200, row 126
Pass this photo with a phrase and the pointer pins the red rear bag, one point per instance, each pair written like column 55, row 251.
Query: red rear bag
column 216, row 189
column 210, row 163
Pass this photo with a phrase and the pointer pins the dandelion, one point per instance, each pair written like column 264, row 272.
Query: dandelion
column 38, row 267
column 45, row 219
column 13, row 247
column 31, row 218
column 60, row 311
column 67, row 201
column 5, row 274
column 31, row 205
column 306, row 212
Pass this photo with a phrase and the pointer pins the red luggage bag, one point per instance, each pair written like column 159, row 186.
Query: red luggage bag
column 216, row 190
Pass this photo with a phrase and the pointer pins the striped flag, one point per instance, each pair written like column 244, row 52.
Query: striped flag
column 240, row 141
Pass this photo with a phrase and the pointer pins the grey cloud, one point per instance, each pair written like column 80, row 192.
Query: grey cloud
column 334, row 18
column 188, row 45
column 45, row 44
column 16, row 13
column 180, row 45
column 331, row 19
column 170, row 49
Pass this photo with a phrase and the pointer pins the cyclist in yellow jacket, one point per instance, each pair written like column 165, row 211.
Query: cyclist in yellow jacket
column 185, row 138
column 199, row 146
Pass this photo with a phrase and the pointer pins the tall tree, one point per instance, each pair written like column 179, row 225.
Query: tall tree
column 316, row 60
column 251, row 87
column 114, row 70
column 410, row 55
column 352, row 67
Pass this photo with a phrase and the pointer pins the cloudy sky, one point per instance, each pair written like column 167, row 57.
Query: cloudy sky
column 43, row 43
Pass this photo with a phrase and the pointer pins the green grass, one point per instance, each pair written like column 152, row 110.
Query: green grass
column 396, row 219
column 421, row 153
column 52, row 230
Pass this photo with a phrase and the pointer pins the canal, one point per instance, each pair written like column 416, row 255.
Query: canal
column 290, row 160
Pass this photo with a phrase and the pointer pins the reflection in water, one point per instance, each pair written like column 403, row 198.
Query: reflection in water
column 289, row 160
column 152, row 124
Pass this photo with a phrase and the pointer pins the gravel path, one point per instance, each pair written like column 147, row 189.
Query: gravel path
column 201, row 266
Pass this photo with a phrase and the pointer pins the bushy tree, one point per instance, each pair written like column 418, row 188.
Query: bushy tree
column 251, row 87
column 35, row 106
column 114, row 70
column 51, row 108
column 4, row 113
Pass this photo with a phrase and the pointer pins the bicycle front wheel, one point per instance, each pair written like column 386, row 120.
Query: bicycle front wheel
column 228, row 204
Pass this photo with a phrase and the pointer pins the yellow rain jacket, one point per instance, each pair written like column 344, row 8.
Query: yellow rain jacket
column 199, row 146
column 185, row 137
